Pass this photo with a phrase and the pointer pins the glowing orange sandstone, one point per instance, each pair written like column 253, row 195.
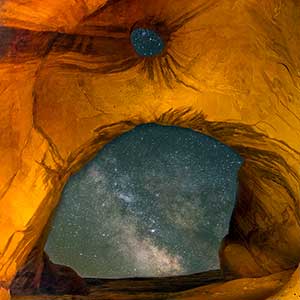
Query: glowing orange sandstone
column 71, row 81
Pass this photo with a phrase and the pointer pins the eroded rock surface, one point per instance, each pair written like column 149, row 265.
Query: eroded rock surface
column 71, row 82
column 45, row 277
column 169, row 289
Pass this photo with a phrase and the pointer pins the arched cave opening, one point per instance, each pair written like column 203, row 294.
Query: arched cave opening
column 156, row 201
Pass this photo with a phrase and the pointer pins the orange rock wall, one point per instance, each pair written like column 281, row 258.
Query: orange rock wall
column 71, row 82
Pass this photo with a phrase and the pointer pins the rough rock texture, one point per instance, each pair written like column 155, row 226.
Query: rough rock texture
column 46, row 277
column 291, row 289
column 4, row 294
column 71, row 82
column 167, row 288
column 40, row 275
column 58, row 279
column 47, row 15
column 28, row 279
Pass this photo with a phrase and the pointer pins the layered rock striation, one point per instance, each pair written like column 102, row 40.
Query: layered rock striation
column 71, row 82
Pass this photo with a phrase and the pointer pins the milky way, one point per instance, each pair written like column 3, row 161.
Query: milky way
column 154, row 202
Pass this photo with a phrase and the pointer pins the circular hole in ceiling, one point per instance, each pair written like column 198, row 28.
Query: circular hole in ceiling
column 146, row 42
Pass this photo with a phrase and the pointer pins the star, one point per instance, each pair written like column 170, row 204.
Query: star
column 146, row 42
column 156, row 201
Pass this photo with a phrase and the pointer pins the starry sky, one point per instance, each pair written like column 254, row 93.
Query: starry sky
column 146, row 42
column 156, row 201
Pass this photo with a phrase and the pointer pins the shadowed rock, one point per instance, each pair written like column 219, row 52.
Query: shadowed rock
column 71, row 82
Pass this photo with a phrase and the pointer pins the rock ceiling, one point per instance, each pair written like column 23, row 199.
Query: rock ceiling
column 71, row 82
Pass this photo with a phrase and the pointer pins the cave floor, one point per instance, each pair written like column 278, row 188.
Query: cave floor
column 202, row 286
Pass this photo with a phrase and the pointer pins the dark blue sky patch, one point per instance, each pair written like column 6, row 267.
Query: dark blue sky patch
column 146, row 42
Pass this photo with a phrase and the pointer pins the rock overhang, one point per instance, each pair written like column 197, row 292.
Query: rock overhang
column 84, row 85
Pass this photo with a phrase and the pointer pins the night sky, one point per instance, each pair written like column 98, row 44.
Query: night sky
column 146, row 42
column 154, row 202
